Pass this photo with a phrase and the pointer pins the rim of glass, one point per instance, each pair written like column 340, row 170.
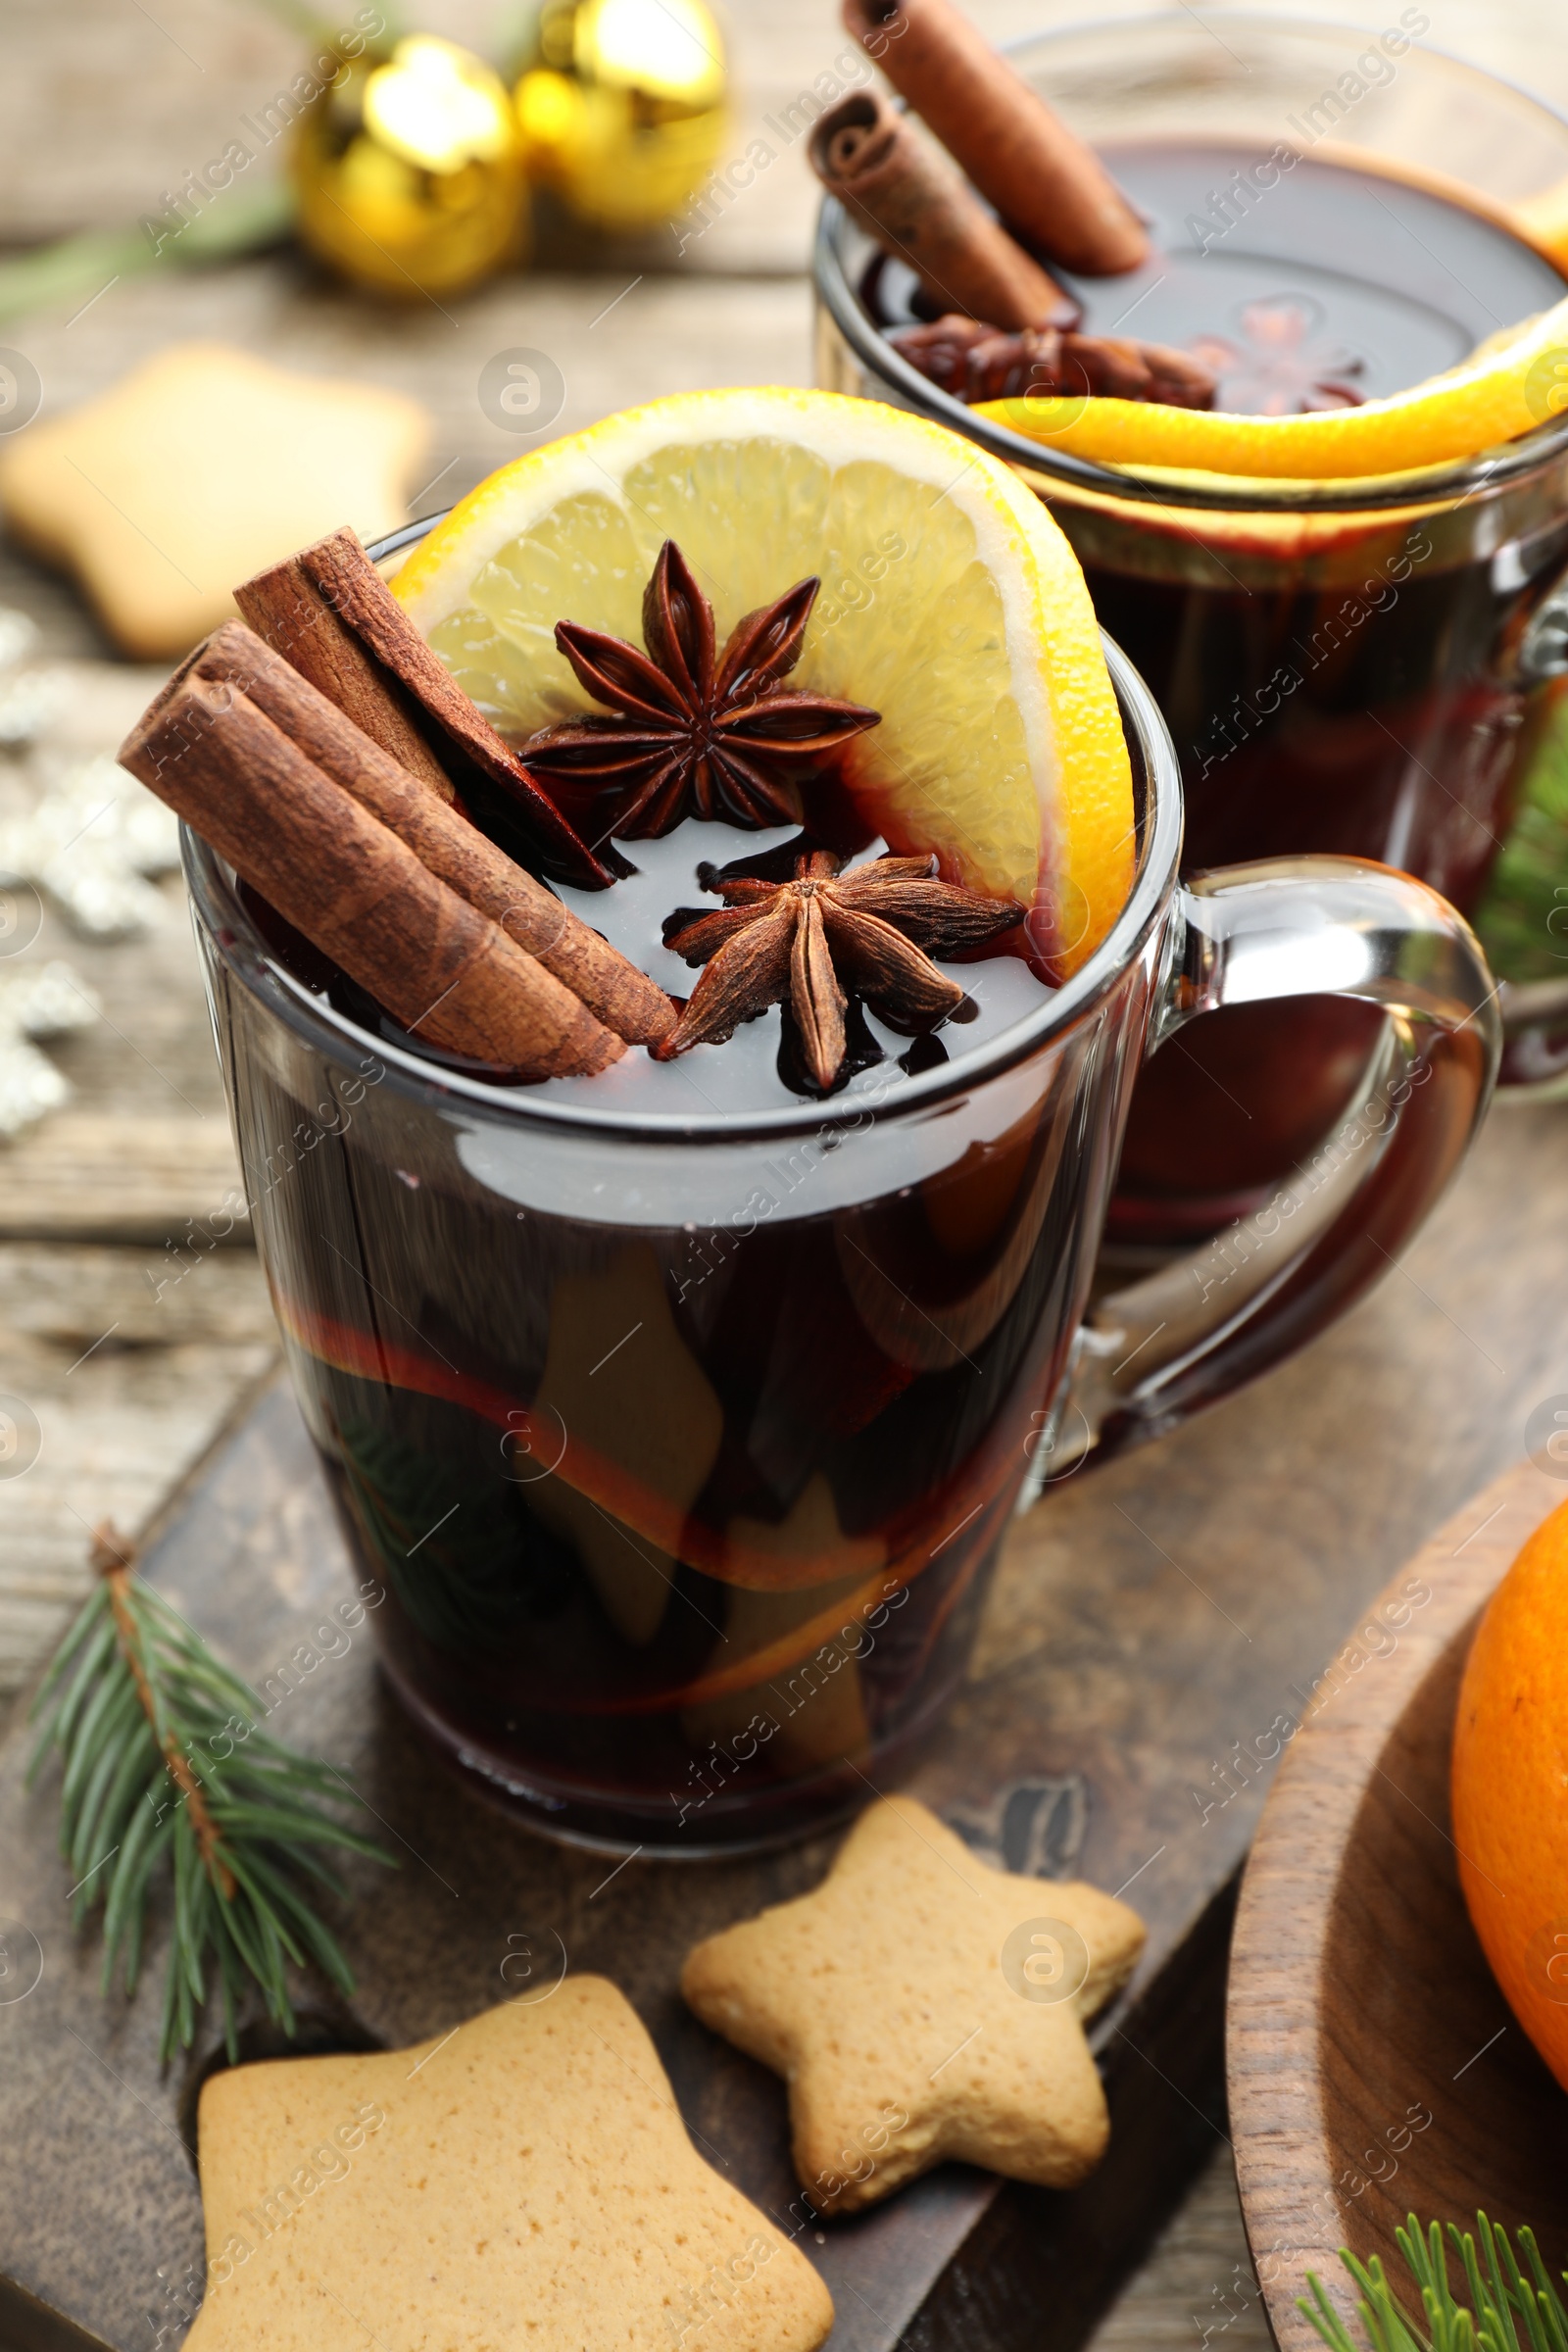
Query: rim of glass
column 236, row 940
column 1484, row 470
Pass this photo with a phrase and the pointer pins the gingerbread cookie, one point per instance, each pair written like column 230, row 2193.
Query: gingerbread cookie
column 922, row 2006
column 201, row 468
column 524, row 2178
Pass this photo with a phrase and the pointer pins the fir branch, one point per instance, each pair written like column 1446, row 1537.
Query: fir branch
column 84, row 265
column 1520, row 914
column 163, row 1763
column 316, row 23
column 1501, row 2295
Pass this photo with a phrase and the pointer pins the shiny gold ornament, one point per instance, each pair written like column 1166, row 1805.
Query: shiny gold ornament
column 623, row 106
column 410, row 172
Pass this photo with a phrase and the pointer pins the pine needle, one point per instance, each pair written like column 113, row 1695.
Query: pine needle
column 1520, row 919
column 1508, row 2311
column 165, row 1771
column 79, row 267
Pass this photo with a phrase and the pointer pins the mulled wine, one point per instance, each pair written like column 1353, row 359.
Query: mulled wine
column 680, row 1208
column 681, row 1504
column 1362, row 698
column 675, row 1513
column 680, row 1440
column 678, row 1256
column 1340, row 664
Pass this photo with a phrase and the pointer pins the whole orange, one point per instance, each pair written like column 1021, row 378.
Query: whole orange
column 1510, row 1788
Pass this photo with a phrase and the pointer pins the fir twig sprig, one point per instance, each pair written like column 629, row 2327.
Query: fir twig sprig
column 165, row 1764
column 1508, row 2311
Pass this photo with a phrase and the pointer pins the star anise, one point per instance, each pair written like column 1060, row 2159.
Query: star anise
column 1282, row 366
column 686, row 732
column 875, row 927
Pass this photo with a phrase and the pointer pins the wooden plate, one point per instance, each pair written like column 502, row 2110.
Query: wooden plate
column 1374, row 2067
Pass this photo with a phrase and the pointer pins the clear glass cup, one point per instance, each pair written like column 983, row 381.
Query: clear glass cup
column 681, row 1448
column 1361, row 668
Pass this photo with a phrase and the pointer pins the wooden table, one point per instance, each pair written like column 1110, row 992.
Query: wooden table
column 1286, row 1508
column 1149, row 1623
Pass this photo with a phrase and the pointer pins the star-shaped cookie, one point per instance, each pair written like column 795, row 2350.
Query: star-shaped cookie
column 201, row 468
column 525, row 2179
column 921, row 2006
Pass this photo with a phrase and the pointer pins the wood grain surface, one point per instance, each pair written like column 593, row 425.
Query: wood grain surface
column 1149, row 1623
column 97, row 1176
column 132, row 1313
column 98, row 2200
column 1196, row 2284
column 1284, row 1511
column 1374, row 2069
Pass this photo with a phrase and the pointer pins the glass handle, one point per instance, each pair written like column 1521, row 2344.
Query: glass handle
column 1150, row 1355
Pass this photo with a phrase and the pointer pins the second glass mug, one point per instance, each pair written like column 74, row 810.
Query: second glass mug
column 682, row 1448
column 1364, row 669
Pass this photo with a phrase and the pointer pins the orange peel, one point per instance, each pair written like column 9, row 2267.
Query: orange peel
column 1499, row 394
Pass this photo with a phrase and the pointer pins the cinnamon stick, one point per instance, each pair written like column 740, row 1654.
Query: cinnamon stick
column 974, row 362
column 307, row 631
column 910, row 199
column 330, row 614
column 446, row 972
column 467, row 861
column 1042, row 179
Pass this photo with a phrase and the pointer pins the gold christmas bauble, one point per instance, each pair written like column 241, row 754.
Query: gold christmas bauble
column 623, row 106
column 409, row 171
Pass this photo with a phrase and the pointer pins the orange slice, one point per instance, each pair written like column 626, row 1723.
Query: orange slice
column 950, row 602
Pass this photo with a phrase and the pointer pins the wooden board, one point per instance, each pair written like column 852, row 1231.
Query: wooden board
column 1375, row 2069
column 255, row 1551
column 1148, row 1624
column 1195, row 2277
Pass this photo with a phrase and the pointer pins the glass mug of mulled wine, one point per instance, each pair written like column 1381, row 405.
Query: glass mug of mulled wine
column 1359, row 667
column 682, row 1442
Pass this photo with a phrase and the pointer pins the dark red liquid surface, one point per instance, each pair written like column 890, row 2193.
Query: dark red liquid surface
column 760, row 1067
